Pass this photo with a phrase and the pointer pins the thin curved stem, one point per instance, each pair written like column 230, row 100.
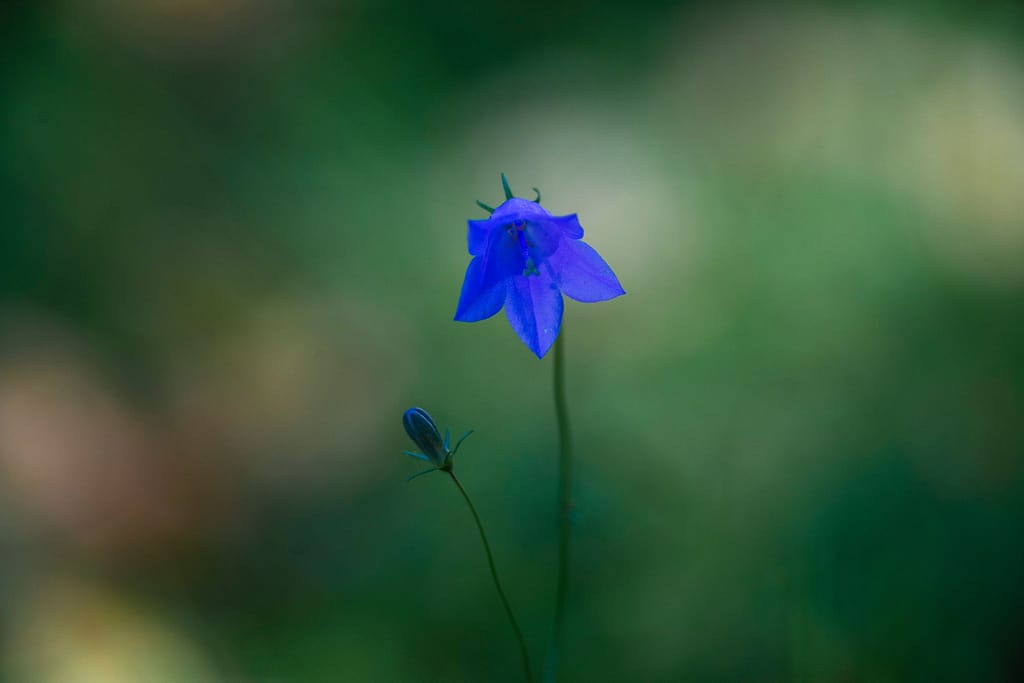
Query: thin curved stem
column 497, row 582
column 564, row 510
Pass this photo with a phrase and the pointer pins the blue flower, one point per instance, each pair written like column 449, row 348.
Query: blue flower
column 421, row 429
column 525, row 259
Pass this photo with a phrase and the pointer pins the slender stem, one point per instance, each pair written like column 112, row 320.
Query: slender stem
column 564, row 510
column 497, row 583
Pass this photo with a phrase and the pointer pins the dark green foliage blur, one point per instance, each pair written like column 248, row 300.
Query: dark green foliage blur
column 232, row 236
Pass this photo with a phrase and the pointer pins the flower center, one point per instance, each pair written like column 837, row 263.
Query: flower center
column 517, row 231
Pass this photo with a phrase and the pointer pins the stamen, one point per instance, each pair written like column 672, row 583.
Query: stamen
column 531, row 267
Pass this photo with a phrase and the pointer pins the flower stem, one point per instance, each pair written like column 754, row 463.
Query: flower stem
column 564, row 510
column 497, row 583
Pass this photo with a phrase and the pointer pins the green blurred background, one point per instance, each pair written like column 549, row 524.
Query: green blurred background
column 232, row 237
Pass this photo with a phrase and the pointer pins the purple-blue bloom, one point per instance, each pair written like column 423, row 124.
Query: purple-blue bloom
column 524, row 259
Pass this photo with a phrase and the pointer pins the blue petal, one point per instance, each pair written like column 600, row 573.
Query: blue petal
column 519, row 209
column 486, row 283
column 582, row 274
column 531, row 212
column 479, row 301
column 546, row 236
column 569, row 225
column 543, row 238
column 534, row 309
column 477, row 234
